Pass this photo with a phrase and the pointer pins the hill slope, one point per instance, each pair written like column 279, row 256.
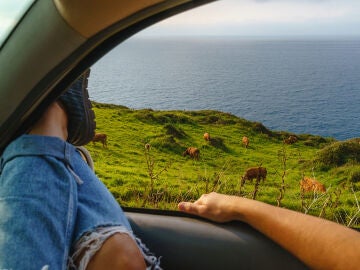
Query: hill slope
column 161, row 176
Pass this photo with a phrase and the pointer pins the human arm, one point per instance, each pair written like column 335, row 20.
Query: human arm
column 319, row 243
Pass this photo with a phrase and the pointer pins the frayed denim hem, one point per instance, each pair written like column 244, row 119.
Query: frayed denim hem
column 152, row 262
column 91, row 242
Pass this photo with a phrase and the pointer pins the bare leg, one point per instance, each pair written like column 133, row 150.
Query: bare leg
column 52, row 123
column 118, row 252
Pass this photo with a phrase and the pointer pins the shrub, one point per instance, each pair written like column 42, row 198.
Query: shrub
column 108, row 106
column 313, row 141
column 260, row 128
column 218, row 143
column 177, row 118
column 175, row 132
column 339, row 153
column 355, row 177
column 218, row 118
column 159, row 117
column 167, row 143
column 145, row 116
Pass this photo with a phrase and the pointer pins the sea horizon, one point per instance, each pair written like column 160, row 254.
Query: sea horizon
column 293, row 84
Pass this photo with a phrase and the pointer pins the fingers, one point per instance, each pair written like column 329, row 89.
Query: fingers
column 195, row 207
column 187, row 207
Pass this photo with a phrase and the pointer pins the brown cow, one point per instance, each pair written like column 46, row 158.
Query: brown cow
column 308, row 184
column 206, row 136
column 100, row 137
column 193, row 152
column 245, row 141
column 255, row 173
column 292, row 139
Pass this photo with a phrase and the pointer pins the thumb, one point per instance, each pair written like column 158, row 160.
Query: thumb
column 187, row 207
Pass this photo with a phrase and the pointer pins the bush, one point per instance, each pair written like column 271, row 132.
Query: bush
column 314, row 141
column 168, row 144
column 339, row 153
column 175, row 132
column 108, row 106
column 159, row 117
column 218, row 118
column 355, row 177
column 218, row 143
column 260, row 128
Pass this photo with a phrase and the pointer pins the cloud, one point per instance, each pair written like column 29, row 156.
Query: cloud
column 280, row 14
column 264, row 11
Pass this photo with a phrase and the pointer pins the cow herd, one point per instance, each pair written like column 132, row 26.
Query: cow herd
column 307, row 184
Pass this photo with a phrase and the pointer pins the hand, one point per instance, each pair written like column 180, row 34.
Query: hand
column 214, row 206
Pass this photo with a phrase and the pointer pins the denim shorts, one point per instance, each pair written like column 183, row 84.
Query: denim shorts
column 52, row 205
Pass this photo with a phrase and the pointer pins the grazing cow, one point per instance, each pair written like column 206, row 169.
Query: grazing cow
column 100, row 137
column 245, row 141
column 292, row 139
column 255, row 173
column 193, row 152
column 308, row 184
column 206, row 136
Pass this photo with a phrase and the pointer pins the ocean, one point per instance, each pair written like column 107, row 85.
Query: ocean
column 300, row 85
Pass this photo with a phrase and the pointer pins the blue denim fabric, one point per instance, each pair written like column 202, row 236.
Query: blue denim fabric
column 45, row 207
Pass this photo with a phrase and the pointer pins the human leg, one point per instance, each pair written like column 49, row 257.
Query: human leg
column 53, row 123
column 46, row 163
column 117, row 252
column 37, row 202
column 101, row 223
column 43, row 213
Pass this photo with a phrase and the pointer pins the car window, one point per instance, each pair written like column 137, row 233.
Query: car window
column 10, row 12
column 270, row 109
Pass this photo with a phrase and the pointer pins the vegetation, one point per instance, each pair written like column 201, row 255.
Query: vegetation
column 158, row 176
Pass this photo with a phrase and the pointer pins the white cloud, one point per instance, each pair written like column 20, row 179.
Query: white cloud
column 292, row 13
column 264, row 12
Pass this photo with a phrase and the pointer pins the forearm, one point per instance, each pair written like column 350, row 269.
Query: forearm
column 319, row 243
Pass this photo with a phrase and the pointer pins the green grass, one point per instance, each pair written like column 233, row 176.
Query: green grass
column 161, row 177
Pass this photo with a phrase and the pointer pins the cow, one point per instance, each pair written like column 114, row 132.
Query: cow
column 193, row 152
column 292, row 139
column 245, row 141
column 100, row 137
column 206, row 136
column 308, row 184
column 258, row 173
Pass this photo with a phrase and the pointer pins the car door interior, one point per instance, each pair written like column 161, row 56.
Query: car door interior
column 188, row 242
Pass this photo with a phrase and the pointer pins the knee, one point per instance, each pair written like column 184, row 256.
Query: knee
column 118, row 252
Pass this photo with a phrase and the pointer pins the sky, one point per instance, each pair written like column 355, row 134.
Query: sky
column 266, row 18
column 10, row 10
column 244, row 18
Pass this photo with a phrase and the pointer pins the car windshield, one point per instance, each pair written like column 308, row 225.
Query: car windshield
column 11, row 12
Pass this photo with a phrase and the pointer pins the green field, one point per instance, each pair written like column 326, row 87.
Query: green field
column 162, row 176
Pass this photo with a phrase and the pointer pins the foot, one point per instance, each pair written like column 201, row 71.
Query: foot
column 81, row 117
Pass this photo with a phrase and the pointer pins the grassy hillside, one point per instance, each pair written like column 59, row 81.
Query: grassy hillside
column 161, row 177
